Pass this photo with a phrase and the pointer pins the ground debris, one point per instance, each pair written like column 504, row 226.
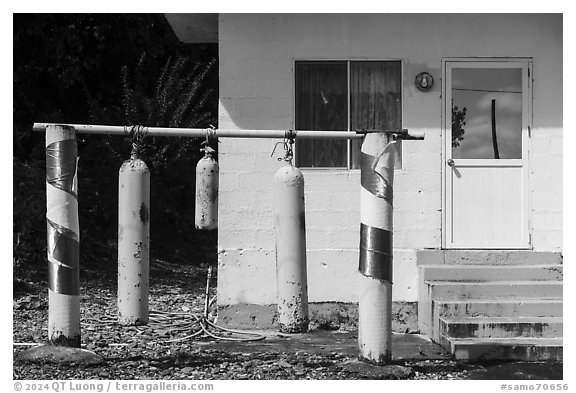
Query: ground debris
column 30, row 302
column 136, row 353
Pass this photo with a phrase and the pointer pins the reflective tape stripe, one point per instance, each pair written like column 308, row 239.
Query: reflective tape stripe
column 63, row 242
column 63, row 280
column 377, row 177
column 52, row 226
column 63, row 257
column 375, row 253
column 373, row 181
column 371, row 203
column 61, row 165
column 62, row 208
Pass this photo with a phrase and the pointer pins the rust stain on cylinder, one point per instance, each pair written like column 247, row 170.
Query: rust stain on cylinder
column 133, row 243
column 61, row 339
column 206, row 206
column 290, row 235
column 144, row 213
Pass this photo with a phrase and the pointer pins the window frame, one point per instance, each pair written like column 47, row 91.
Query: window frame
column 346, row 168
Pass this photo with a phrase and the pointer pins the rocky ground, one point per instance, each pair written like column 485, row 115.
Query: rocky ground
column 162, row 351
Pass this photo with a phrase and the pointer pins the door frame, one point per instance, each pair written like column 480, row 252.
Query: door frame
column 526, row 64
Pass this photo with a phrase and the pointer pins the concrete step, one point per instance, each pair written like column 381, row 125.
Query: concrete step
column 455, row 290
column 519, row 349
column 500, row 327
column 492, row 304
column 499, row 308
column 518, row 308
column 473, row 273
column 488, row 257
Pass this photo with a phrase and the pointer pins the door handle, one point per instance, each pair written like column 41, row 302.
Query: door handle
column 450, row 162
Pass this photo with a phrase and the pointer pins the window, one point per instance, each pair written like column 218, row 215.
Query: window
column 486, row 113
column 345, row 96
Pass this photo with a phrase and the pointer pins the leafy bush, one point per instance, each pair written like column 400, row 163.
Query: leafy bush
column 29, row 209
column 175, row 96
column 69, row 68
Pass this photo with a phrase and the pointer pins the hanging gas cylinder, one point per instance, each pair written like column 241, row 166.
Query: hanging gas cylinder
column 133, row 241
column 206, row 211
column 290, row 233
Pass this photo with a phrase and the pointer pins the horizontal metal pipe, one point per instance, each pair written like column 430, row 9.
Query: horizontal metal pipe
column 217, row 133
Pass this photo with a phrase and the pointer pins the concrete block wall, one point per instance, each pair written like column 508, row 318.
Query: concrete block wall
column 246, row 233
column 546, row 142
column 257, row 53
column 546, row 184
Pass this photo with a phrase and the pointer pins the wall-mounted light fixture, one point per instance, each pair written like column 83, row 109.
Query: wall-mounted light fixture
column 424, row 81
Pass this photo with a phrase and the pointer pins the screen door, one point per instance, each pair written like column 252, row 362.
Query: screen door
column 486, row 154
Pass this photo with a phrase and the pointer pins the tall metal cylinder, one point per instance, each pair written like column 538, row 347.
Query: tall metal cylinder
column 207, row 173
column 290, row 232
column 375, row 266
column 133, row 242
column 63, row 236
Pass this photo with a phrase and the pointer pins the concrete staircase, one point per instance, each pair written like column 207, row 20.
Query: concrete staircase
column 484, row 305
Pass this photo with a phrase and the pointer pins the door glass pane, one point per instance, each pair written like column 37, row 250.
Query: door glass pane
column 375, row 100
column 321, row 104
column 487, row 113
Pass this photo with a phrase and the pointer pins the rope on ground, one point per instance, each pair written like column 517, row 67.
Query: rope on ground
column 198, row 323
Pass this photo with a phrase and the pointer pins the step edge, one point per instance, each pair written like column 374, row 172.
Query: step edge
column 464, row 267
column 483, row 319
column 499, row 301
column 494, row 282
column 540, row 341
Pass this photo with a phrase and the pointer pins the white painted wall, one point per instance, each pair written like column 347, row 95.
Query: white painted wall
column 257, row 53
